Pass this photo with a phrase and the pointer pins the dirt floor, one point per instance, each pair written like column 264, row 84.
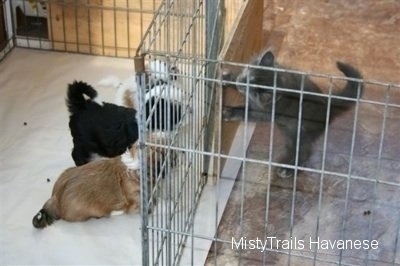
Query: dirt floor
column 312, row 36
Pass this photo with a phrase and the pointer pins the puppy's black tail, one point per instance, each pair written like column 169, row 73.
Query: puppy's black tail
column 75, row 95
column 43, row 218
column 353, row 89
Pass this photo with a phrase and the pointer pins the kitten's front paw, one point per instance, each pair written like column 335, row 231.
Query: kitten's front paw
column 228, row 114
column 285, row 172
column 227, row 77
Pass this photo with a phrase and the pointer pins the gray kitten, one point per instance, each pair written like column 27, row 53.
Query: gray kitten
column 314, row 108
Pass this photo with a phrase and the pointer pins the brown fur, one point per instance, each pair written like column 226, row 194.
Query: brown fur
column 98, row 188
column 92, row 190
column 128, row 101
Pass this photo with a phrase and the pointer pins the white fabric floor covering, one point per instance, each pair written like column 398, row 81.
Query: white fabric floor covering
column 32, row 91
column 35, row 148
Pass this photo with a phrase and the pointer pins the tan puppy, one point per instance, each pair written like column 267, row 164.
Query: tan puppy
column 94, row 190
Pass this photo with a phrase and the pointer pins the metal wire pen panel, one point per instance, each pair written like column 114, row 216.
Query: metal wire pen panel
column 316, row 185
column 6, row 43
column 337, row 206
column 183, row 34
column 109, row 27
column 177, row 115
column 175, row 122
column 177, row 29
column 100, row 27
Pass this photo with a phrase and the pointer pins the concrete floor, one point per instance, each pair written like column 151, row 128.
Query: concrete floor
column 312, row 36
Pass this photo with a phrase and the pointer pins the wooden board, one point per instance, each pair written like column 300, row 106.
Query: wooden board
column 101, row 27
column 240, row 46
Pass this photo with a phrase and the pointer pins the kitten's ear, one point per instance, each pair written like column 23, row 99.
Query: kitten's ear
column 267, row 59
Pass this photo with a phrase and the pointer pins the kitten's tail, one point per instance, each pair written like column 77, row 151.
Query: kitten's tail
column 75, row 95
column 43, row 218
column 353, row 89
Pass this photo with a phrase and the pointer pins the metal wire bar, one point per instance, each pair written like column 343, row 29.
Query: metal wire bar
column 243, row 177
column 141, row 81
column 296, row 162
column 321, row 184
column 349, row 173
column 271, row 140
column 375, row 194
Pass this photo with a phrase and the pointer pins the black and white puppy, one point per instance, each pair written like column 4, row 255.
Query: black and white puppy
column 164, row 101
column 164, row 107
column 103, row 129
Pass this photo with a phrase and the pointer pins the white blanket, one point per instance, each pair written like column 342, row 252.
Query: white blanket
column 32, row 91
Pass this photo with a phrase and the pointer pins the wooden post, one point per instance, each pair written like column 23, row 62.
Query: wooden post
column 244, row 41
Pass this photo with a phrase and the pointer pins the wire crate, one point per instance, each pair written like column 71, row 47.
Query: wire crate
column 177, row 36
column 341, row 193
column 215, row 196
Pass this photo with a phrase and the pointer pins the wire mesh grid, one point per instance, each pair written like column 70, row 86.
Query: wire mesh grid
column 5, row 29
column 99, row 27
column 176, row 37
column 340, row 205
column 346, row 190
